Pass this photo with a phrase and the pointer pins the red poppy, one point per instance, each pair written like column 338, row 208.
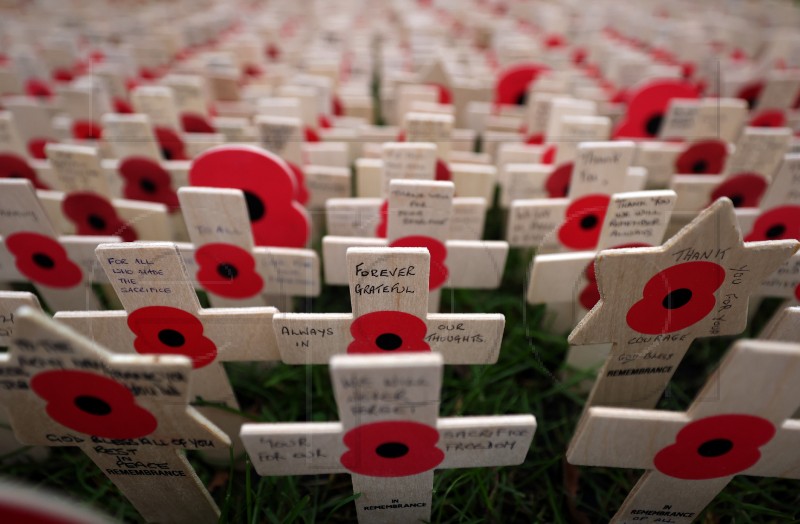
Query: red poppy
column 12, row 166
column 311, row 135
column 549, row 154
column 163, row 330
column 146, row 180
column 383, row 215
column 512, row 84
column 535, row 139
column 676, row 298
column 276, row 217
column 252, row 71
column 338, row 106
column 38, row 88
column 557, row 184
column 583, row 222
column 750, row 93
column 780, row 223
column 43, row 260
column 36, row 147
column 122, row 106
column 647, row 106
column 704, row 157
column 714, row 447
column 194, row 123
column 93, row 214
column 272, row 51
column 590, row 294
column 744, row 190
column 384, row 331
column 443, row 172
column 92, row 404
column 86, row 130
column 63, row 75
column 554, row 41
column 324, row 122
column 300, row 190
column 768, row 118
column 172, row 146
column 444, row 96
column 151, row 73
column 438, row 251
column 228, row 271
column 391, row 448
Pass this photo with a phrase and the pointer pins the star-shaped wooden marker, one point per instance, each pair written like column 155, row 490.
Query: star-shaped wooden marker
column 739, row 424
column 128, row 413
column 656, row 301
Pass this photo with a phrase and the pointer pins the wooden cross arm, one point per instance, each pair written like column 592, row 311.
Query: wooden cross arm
column 294, row 448
column 305, row 338
column 471, row 442
column 624, row 438
column 555, row 277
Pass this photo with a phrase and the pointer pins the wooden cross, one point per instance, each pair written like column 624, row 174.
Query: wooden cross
column 15, row 158
column 86, row 201
column 129, row 414
column 364, row 217
column 566, row 282
column 244, row 275
column 27, row 503
column 390, row 298
column 601, row 168
column 33, row 122
column 739, row 423
column 163, row 316
column 656, row 301
column 389, row 437
column 419, row 215
column 31, row 251
column 748, row 171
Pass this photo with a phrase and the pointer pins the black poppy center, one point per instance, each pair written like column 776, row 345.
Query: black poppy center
column 92, row 405
column 700, row 166
column 255, row 206
column 653, row 124
column 522, row 98
column 776, row 231
column 43, row 261
column 678, row 298
column 737, row 200
column 715, row 447
column 388, row 341
column 227, row 271
column 147, row 185
column 167, row 153
column 171, row 338
column 588, row 222
column 96, row 222
column 392, row 450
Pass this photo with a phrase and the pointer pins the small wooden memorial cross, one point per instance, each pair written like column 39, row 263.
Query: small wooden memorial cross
column 366, row 217
column 59, row 266
column 389, row 437
column 128, row 413
column 389, row 297
column 574, row 222
column 229, row 266
column 163, row 316
column 656, row 301
column 566, row 281
column 419, row 214
column 739, row 423
column 15, row 159
column 87, row 204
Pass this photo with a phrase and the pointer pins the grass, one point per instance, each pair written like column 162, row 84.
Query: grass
column 526, row 379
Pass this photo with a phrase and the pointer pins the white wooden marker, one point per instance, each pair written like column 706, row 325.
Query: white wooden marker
column 419, row 215
column 739, row 423
column 241, row 274
column 59, row 266
column 21, row 503
column 163, row 316
column 574, row 222
column 656, row 301
column 389, row 297
column 87, row 204
column 389, row 437
column 128, row 413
